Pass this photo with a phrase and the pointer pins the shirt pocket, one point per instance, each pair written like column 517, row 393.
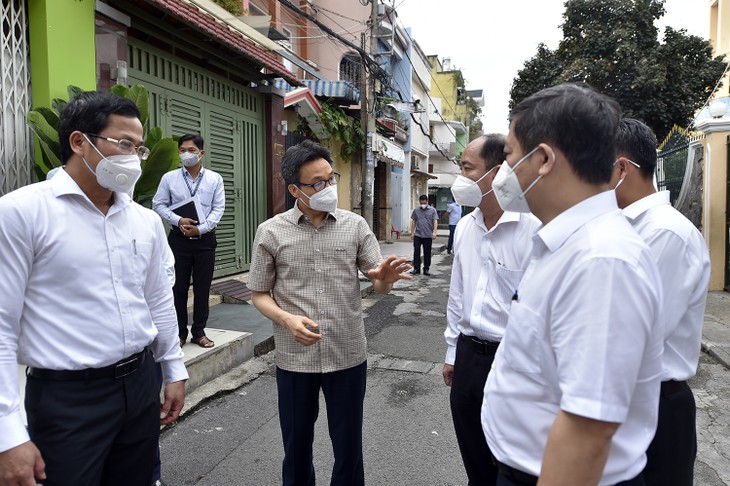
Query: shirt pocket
column 141, row 258
column 521, row 345
column 505, row 282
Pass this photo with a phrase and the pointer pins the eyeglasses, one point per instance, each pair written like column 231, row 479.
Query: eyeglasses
column 319, row 185
column 125, row 146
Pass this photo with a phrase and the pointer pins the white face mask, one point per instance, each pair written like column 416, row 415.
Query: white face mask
column 424, row 206
column 189, row 159
column 467, row 192
column 118, row 173
column 324, row 200
column 507, row 189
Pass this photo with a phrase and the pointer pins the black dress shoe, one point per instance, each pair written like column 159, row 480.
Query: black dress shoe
column 416, row 272
column 426, row 273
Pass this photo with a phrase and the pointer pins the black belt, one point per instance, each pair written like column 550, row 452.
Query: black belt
column 176, row 231
column 481, row 346
column 673, row 386
column 122, row 368
column 516, row 475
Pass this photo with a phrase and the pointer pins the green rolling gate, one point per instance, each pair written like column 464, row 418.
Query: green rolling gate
column 186, row 98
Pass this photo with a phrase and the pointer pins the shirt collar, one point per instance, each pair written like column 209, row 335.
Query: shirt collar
column 637, row 208
column 507, row 217
column 295, row 214
column 63, row 184
column 557, row 231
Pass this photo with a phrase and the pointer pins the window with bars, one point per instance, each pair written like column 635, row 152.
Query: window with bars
column 350, row 68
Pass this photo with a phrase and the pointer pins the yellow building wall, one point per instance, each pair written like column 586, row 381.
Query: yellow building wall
column 720, row 36
column 714, row 204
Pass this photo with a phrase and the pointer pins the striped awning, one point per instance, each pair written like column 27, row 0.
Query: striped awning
column 341, row 91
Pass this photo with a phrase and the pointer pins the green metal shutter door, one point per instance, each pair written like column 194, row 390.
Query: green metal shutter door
column 186, row 98
column 223, row 148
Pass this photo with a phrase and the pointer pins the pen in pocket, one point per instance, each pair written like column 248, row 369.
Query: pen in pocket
column 134, row 245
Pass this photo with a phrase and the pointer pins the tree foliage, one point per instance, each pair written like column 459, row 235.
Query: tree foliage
column 613, row 46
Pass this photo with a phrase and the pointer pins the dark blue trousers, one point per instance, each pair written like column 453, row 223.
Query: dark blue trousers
column 450, row 245
column 503, row 480
column 344, row 394
column 98, row 432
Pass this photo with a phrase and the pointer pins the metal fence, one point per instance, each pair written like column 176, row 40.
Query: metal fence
column 672, row 161
column 16, row 144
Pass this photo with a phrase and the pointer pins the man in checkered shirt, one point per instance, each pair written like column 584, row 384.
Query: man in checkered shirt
column 304, row 277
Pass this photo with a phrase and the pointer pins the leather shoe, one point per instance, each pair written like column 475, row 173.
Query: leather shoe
column 426, row 273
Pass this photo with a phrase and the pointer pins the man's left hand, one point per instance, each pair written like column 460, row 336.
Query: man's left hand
column 391, row 270
column 174, row 401
column 190, row 230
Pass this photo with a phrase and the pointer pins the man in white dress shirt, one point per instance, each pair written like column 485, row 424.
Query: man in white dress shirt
column 193, row 242
column 492, row 252
column 86, row 305
column 681, row 254
column 573, row 394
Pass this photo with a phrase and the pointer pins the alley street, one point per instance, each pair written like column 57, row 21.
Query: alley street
column 234, row 439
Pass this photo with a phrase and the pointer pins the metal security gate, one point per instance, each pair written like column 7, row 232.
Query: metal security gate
column 672, row 162
column 16, row 145
column 185, row 99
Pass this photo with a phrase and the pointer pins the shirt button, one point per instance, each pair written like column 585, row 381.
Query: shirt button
column 317, row 250
column 320, row 291
column 321, row 312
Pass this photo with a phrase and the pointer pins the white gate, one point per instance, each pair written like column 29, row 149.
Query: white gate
column 16, row 145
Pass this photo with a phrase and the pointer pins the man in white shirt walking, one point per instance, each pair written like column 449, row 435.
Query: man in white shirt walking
column 193, row 241
column 573, row 394
column 681, row 254
column 492, row 252
column 453, row 212
column 86, row 305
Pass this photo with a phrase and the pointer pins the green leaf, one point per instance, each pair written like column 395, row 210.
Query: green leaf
column 73, row 91
column 49, row 115
column 163, row 157
column 153, row 137
column 119, row 90
column 141, row 97
column 47, row 137
column 58, row 105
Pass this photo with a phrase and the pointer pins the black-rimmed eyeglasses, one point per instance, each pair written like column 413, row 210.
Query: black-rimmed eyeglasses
column 319, row 185
column 125, row 146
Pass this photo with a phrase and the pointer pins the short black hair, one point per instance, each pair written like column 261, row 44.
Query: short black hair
column 423, row 197
column 637, row 142
column 576, row 119
column 298, row 155
column 492, row 151
column 89, row 112
column 194, row 137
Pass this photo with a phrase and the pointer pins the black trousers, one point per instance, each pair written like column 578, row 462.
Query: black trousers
column 344, row 395
column 471, row 368
column 194, row 258
column 426, row 243
column 97, row 432
column 672, row 452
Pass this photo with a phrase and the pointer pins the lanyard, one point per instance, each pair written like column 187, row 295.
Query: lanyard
column 192, row 190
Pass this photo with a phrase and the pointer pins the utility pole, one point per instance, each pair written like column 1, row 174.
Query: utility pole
column 367, row 120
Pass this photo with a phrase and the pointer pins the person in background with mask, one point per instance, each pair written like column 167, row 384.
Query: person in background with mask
column 492, row 251
column 86, row 305
column 681, row 254
column 192, row 242
column 424, row 223
column 453, row 212
column 572, row 397
column 304, row 277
